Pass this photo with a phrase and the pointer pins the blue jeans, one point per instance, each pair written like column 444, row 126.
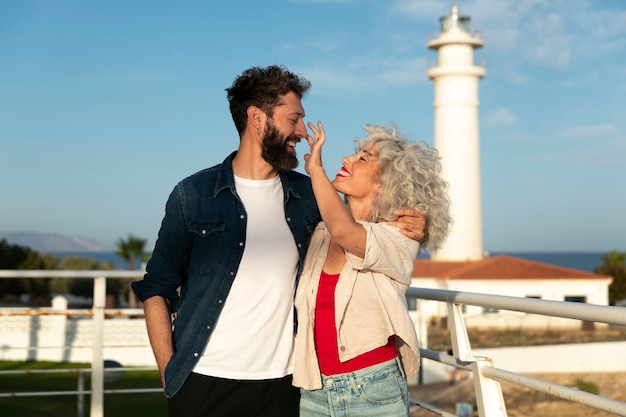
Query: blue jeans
column 379, row 390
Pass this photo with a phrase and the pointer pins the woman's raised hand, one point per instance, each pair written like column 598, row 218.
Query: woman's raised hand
column 314, row 159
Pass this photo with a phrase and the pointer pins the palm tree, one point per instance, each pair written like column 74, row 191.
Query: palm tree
column 130, row 250
column 614, row 259
column 614, row 265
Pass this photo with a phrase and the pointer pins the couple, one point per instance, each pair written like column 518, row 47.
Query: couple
column 233, row 245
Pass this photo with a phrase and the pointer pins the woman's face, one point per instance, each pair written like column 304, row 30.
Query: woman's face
column 358, row 177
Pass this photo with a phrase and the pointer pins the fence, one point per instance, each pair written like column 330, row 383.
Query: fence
column 97, row 314
column 486, row 377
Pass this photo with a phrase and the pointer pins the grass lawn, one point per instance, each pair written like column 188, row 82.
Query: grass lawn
column 115, row 405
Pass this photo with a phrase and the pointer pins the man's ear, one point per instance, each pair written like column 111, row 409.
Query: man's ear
column 256, row 119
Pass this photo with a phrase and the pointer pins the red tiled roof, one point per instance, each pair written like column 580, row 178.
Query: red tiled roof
column 497, row 267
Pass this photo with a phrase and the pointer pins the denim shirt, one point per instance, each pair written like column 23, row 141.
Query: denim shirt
column 199, row 249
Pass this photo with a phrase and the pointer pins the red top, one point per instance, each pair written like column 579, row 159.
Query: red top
column 326, row 335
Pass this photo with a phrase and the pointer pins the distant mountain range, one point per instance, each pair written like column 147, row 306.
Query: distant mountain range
column 51, row 242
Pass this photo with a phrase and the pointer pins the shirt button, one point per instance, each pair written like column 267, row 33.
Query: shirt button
column 342, row 348
column 219, row 301
column 299, row 245
column 203, row 231
column 208, row 327
column 232, row 273
column 240, row 243
column 196, row 354
column 288, row 219
column 241, row 216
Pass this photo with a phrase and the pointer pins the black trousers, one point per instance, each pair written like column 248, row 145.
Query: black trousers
column 206, row 396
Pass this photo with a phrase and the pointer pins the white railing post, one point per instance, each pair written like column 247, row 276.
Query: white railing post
column 97, row 364
column 458, row 333
column 489, row 397
column 422, row 337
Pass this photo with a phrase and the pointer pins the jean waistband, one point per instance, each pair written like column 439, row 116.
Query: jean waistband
column 371, row 372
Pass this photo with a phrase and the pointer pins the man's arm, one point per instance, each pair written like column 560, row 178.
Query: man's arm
column 159, row 324
column 411, row 223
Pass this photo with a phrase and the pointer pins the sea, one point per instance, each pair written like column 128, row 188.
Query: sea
column 584, row 261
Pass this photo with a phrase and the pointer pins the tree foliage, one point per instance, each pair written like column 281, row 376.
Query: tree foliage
column 131, row 249
column 84, row 286
column 614, row 265
column 79, row 263
column 21, row 257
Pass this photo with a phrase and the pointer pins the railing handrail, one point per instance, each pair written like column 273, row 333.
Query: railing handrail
column 80, row 372
column 570, row 310
column 572, row 394
column 75, row 370
column 65, row 273
column 77, row 312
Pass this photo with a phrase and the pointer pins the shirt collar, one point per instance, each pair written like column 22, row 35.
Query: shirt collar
column 225, row 176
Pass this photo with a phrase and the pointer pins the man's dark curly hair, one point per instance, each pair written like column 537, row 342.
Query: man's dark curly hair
column 262, row 87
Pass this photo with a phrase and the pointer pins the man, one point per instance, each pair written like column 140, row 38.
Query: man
column 227, row 258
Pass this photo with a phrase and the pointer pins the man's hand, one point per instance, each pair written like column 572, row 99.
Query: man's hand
column 411, row 223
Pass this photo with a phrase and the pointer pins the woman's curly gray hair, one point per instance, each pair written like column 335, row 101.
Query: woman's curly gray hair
column 409, row 177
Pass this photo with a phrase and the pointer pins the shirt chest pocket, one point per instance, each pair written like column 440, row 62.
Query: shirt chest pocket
column 204, row 230
column 208, row 245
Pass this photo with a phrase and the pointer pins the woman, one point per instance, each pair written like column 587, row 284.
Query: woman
column 356, row 344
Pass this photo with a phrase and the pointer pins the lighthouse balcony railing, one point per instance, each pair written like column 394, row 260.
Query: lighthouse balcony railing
column 486, row 375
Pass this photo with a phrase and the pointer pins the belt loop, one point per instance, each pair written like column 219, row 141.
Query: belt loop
column 400, row 366
column 354, row 383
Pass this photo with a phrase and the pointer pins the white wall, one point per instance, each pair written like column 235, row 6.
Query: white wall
column 50, row 332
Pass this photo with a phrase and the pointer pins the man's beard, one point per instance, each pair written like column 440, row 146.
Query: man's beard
column 275, row 151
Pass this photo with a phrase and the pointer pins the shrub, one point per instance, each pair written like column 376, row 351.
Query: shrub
column 586, row 386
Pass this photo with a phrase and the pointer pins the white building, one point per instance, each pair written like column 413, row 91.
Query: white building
column 510, row 276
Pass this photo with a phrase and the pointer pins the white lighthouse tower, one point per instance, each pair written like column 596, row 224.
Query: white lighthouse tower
column 456, row 105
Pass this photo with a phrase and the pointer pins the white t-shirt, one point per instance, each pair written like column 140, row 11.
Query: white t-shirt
column 253, row 338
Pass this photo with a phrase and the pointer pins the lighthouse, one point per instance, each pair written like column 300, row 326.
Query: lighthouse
column 456, row 137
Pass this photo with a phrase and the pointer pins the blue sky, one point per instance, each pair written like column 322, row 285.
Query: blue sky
column 104, row 106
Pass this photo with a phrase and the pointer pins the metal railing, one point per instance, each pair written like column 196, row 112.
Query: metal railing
column 486, row 377
column 97, row 314
column 80, row 391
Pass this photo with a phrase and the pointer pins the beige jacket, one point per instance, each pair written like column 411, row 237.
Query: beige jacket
column 370, row 302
